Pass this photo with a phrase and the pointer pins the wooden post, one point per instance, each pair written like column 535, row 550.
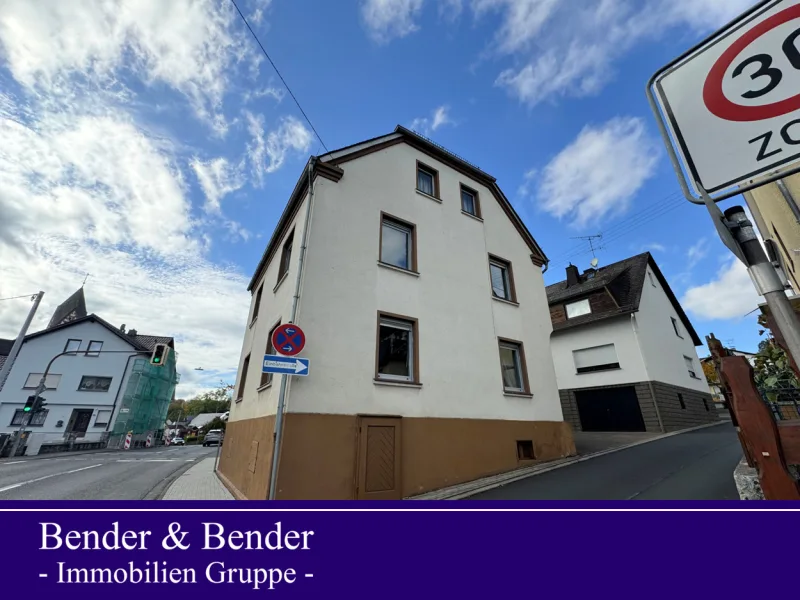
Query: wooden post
column 759, row 430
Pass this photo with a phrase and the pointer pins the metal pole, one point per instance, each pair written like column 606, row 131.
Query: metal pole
column 12, row 356
column 766, row 280
column 278, row 435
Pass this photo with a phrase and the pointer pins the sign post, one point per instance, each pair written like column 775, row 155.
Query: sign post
column 729, row 113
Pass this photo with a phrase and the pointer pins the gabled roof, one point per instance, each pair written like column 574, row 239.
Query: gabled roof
column 140, row 342
column 73, row 307
column 329, row 166
column 5, row 346
column 625, row 281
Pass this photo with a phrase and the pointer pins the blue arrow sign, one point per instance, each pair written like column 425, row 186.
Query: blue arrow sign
column 286, row 365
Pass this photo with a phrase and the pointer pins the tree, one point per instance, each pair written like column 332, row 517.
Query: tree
column 215, row 423
column 710, row 372
column 217, row 400
column 773, row 373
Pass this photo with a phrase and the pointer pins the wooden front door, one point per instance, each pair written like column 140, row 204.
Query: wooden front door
column 379, row 473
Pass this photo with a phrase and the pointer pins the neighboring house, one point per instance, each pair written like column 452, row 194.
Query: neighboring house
column 776, row 212
column 203, row 419
column 5, row 349
column 93, row 395
column 716, row 390
column 423, row 303
column 624, row 351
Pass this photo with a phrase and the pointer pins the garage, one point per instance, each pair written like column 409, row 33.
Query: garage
column 610, row 409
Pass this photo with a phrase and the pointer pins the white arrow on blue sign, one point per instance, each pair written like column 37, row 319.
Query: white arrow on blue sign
column 285, row 365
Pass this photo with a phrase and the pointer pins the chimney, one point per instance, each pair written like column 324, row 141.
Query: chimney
column 132, row 333
column 122, row 328
column 572, row 275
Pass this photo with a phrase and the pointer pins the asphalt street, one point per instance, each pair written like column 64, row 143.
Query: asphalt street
column 697, row 465
column 114, row 475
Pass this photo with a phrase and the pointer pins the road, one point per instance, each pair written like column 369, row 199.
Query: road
column 114, row 475
column 697, row 465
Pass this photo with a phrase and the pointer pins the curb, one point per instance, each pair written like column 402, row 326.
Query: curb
column 516, row 476
column 159, row 490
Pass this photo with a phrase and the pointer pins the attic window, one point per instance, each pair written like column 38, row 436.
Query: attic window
column 652, row 279
column 578, row 309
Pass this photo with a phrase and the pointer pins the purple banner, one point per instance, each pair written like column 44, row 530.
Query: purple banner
column 390, row 550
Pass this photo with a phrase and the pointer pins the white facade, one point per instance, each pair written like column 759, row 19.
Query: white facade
column 68, row 372
column 646, row 345
column 458, row 321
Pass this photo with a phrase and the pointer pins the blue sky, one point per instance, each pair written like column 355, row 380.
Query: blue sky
column 151, row 145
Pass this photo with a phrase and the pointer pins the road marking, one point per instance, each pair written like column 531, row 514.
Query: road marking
column 15, row 462
column 16, row 485
column 189, row 460
column 146, row 460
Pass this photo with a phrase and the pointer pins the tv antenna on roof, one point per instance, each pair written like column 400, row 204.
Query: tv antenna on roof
column 590, row 239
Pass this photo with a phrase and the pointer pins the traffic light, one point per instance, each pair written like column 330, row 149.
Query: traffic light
column 40, row 404
column 29, row 404
column 159, row 356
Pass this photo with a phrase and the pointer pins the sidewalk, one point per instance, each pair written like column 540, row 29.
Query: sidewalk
column 199, row 482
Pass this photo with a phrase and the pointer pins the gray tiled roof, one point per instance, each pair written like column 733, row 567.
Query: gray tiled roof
column 150, row 341
column 5, row 346
column 74, row 307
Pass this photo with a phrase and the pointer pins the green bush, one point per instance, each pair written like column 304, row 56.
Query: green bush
column 192, row 439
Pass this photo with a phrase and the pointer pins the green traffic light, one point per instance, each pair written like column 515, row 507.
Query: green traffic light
column 26, row 409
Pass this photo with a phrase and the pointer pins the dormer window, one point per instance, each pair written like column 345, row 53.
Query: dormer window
column 578, row 309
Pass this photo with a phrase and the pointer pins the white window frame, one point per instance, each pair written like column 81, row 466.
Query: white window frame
column 110, row 381
column 406, row 229
column 690, row 366
column 516, row 353
column 599, row 367
column 100, row 423
column 506, row 279
column 582, row 303
column 51, row 383
column 403, row 326
column 652, row 279
column 474, row 196
column 676, row 326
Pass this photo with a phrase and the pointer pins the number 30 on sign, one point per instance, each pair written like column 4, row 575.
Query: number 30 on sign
column 733, row 105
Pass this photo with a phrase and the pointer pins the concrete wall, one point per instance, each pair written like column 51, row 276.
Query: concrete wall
column 33, row 358
column 459, row 321
column 617, row 331
column 662, row 349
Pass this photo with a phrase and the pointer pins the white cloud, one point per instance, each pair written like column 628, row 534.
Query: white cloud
column 427, row 125
column 188, row 45
column 259, row 9
column 599, row 173
column 389, row 19
column 730, row 295
column 652, row 247
column 570, row 48
column 272, row 92
column 450, row 10
column 697, row 252
column 267, row 152
column 218, row 178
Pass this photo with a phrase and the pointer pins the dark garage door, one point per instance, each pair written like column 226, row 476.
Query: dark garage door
column 612, row 409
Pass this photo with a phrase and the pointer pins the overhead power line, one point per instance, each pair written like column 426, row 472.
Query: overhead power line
column 15, row 297
column 288, row 89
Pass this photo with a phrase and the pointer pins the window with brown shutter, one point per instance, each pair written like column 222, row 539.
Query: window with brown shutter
column 243, row 378
column 266, row 378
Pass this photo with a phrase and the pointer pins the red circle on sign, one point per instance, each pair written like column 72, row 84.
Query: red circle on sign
column 288, row 339
column 715, row 98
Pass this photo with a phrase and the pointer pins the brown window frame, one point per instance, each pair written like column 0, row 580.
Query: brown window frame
column 476, row 201
column 397, row 221
column 415, row 378
column 512, row 289
column 243, row 379
column 286, row 258
column 266, row 378
column 523, row 365
column 421, row 166
column 256, row 306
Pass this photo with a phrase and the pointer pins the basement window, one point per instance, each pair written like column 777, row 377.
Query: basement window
column 705, row 403
column 525, row 450
column 683, row 404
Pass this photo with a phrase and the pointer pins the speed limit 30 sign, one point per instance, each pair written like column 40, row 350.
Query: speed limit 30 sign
column 731, row 105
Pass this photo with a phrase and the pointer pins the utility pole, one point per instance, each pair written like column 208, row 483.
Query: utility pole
column 20, row 338
column 765, row 278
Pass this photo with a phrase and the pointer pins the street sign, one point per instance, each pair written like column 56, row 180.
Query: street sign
column 288, row 339
column 286, row 365
column 730, row 107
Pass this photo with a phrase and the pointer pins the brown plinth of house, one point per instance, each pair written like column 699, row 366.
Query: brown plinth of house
column 345, row 457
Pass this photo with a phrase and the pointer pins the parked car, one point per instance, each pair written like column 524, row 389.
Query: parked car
column 178, row 441
column 213, row 438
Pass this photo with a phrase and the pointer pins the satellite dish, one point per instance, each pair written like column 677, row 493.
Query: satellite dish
column 594, row 262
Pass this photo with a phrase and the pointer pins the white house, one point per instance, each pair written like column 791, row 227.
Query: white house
column 422, row 299
column 106, row 382
column 625, row 352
